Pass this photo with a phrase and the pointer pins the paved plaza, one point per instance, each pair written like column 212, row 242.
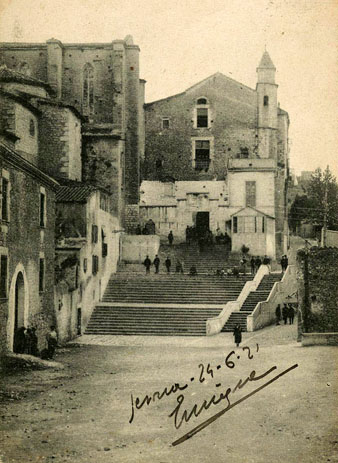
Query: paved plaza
column 102, row 407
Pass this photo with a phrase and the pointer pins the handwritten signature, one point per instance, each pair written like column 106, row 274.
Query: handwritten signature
column 181, row 414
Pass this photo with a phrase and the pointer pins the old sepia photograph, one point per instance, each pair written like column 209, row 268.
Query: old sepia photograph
column 168, row 231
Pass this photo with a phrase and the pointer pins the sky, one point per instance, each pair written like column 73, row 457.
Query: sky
column 185, row 41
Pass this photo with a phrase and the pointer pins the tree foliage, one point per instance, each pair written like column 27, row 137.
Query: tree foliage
column 310, row 208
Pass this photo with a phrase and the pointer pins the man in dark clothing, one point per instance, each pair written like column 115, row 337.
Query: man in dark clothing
column 291, row 314
column 170, row 237
column 156, row 263
column 168, row 264
column 188, row 234
column 147, row 264
column 238, row 334
column 285, row 313
column 179, row 267
column 284, row 263
column 258, row 263
column 278, row 314
column 253, row 265
column 193, row 270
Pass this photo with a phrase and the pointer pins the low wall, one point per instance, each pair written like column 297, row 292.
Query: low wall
column 264, row 313
column 215, row 325
column 319, row 339
column 135, row 248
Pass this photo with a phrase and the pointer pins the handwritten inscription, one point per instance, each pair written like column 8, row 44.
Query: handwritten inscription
column 183, row 414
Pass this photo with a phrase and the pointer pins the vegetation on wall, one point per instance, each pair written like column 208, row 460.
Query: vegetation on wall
column 318, row 269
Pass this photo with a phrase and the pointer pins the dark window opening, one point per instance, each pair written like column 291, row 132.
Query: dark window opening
column 42, row 275
column 42, row 209
column 266, row 100
column 85, row 265
column 202, row 155
column 159, row 163
column 4, row 200
column 235, row 223
column 31, row 128
column 165, row 123
column 202, row 101
column 202, row 117
column 95, row 264
column 244, row 153
column 95, row 233
column 3, row 277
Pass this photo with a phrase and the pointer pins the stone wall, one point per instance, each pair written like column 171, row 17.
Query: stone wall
column 320, row 312
column 25, row 242
column 233, row 113
column 60, row 142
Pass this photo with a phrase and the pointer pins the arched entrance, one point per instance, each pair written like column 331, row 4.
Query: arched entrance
column 18, row 304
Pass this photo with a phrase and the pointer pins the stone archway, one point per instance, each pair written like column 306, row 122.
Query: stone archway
column 18, row 304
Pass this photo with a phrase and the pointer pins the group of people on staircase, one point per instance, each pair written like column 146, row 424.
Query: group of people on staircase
column 147, row 263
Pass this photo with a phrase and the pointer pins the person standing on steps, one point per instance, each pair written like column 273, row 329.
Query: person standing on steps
column 168, row 264
column 258, row 263
column 52, row 342
column 285, row 313
column 157, row 263
column 170, row 237
column 253, row 265
column 278, row 314
column 291, row 314
column 147, row 264
column 238, row 334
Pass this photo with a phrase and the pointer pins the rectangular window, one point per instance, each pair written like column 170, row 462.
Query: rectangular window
column 3, row 276
column 202, row 117
column 95, row 264
column 5, row 198
column 202, row 154
column 235, row 224
column 42, row 274
column 85, row 265
column 104, row 249
column 250, row 194
column 94, row 233
column 42, row 209
column 165, row 123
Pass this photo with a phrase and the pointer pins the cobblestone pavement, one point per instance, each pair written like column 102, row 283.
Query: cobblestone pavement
column 82, row 414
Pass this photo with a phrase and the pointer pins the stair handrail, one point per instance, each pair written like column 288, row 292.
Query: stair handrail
column 268, row 306
column 215, row 325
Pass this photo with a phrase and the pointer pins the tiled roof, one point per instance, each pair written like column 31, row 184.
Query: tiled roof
column 76, row 193
column 9, row 75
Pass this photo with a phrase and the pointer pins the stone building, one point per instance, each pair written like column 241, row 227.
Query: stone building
column 217, row 157
column 87, row 252
column 27, row 215
column 101, row 82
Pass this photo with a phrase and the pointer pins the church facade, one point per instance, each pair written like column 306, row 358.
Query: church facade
column 216, row 158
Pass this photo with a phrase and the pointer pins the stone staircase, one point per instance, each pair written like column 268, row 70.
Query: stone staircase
column 261, row 294
column 213, row 258
column 162, row 304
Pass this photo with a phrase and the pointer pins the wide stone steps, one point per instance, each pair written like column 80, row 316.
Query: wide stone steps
column 234, row 319
column 163, row 321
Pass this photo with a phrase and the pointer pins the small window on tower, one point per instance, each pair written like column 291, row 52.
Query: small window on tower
column 31, row 128
column 165, row 123
column 202, row 101
column 266, row 100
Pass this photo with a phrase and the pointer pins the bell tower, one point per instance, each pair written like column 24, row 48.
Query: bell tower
column 267, row 107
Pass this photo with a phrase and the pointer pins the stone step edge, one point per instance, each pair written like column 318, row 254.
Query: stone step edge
column 159, row 305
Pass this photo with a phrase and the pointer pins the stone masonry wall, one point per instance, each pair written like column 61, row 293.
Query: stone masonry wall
column 25, row 240
column 233, row 115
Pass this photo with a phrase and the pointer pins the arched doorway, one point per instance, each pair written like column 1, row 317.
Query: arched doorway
column 19, row 302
